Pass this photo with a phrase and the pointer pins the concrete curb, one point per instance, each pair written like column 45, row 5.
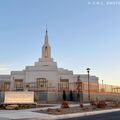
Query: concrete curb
column 73, row 115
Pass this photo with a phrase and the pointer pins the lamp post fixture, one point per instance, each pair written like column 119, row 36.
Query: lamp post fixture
column 88, row 71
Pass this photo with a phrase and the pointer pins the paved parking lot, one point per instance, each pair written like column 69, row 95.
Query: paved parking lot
column 105, row 116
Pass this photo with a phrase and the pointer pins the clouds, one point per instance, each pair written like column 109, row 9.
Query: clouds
column 4, row 69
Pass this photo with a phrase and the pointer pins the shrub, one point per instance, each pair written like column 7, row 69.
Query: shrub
column 58, row 110
column 65, row 104
column 101, row 104
column 116, row 104
column 49, row 109
column 64, row 95
column 71, row 95
column 94, row 103
column 81, row 105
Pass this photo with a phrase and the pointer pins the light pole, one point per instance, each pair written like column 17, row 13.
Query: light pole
column 78, row 87
column 88, row 71
column 102, row 82
column 102, row 86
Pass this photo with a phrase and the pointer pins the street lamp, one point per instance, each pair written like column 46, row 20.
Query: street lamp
column 88, row 71
column 102, row 86
column 102, row 82
column 79, row 87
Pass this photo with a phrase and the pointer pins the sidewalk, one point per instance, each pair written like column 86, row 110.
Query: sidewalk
column 29, row 114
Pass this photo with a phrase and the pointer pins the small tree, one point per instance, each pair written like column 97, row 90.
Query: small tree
column 78, row 96
column 71, row 95
column 64, row 95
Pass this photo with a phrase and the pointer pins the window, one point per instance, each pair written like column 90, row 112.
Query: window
column 64, row 84
column 46, row 52
column 18, row 84
column 41, row 83
column 6, row 86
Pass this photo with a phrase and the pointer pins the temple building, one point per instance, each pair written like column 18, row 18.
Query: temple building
column 45, row 78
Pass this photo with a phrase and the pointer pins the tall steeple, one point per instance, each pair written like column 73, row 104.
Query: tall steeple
column 46, row 49
column 46, row 37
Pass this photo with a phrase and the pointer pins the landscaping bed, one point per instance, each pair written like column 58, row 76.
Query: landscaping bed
column 60, row 111
column 70, row 110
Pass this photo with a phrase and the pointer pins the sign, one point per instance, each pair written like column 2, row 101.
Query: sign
column 19, row 97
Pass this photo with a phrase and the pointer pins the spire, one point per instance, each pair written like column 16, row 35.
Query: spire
column 46, row 37
column 46, row 50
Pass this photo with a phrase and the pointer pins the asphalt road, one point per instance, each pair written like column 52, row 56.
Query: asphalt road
column 106, row 116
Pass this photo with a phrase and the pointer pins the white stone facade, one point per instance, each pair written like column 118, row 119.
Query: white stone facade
column 44, row 74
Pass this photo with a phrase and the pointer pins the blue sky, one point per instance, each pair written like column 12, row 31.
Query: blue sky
column 81, row 35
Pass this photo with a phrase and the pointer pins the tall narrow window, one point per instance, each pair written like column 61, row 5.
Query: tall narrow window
column 46, row 52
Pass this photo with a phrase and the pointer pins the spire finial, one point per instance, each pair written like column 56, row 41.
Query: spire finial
column 46, row 28
column 46, row 36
